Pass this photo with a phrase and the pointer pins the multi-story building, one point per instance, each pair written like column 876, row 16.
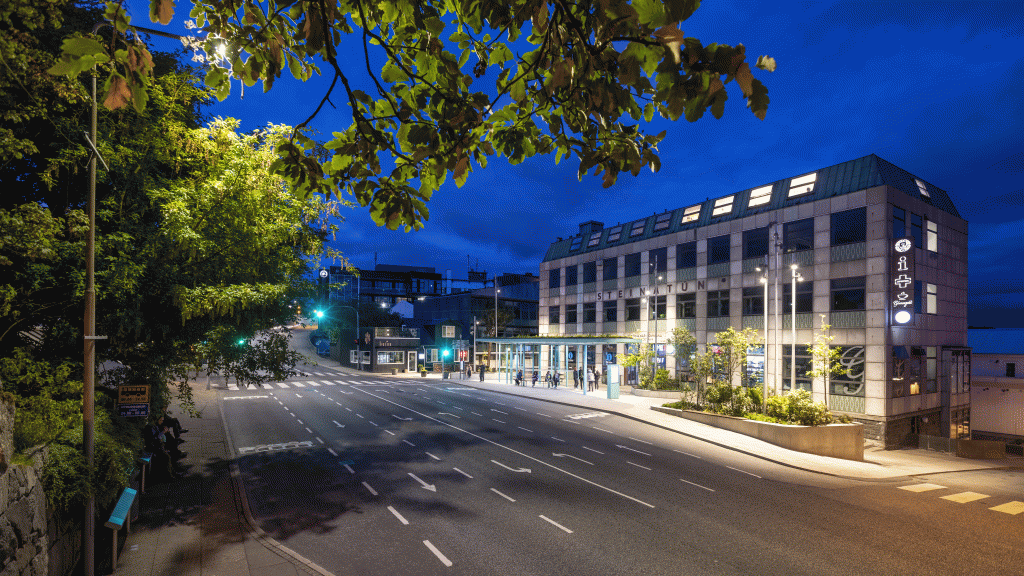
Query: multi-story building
column 386, row 284
column 997, row 378
column 881, row 254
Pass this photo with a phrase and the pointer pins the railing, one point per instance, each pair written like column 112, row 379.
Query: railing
column 755, row 322
column 570, row 289
column 752, row 264
column 589, row 328
column 633, row 326
column 689, row 323
column 854, row 404
column 803, row 321
column 632, row 281
column 847, row 319
column 588, row 287
column 847, row 252
column 612, row 284
column 718, row 324
column 718, row 270
column 684, row 274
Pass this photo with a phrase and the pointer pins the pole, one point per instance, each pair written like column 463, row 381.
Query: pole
column 473, row 363
column 764, row 305
column 792, row 324
column 778, row 313
column 88, row 380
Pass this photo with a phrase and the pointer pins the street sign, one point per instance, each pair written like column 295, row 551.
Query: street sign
column 133, row 410
column 133, row 394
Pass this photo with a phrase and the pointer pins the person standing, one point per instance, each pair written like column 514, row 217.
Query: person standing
column 547, row 379
column 575, row 379
column 535, row 376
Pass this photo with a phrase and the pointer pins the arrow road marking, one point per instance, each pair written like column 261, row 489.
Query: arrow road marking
column 632, row 450
column 400, row 418
column 557, row 455
column 426, row 486
column 527, row 470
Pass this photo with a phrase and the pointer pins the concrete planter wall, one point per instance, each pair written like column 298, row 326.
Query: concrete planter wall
column 672, row 394
column 835, row 440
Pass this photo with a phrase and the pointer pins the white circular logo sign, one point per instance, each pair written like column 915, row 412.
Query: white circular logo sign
column 323, row 273
column 903, row 244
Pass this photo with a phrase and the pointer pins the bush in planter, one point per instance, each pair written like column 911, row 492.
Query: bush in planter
column 662, row 380
column 717, row 395
column 421, row 368
column 797, row 406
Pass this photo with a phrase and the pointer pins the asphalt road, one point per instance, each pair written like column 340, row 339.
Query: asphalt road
column 382, row 476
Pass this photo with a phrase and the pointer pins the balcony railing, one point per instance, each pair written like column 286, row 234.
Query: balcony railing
column 684, row 274
column 718, row 270
column 847, row 252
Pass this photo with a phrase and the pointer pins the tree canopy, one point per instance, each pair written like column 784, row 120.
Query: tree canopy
column 436, row 88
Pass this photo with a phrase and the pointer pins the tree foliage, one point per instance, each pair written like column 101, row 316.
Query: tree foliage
column 461, row 82
column 825, row 358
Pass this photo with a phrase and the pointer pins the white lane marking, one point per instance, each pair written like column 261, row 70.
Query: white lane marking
column 509, row 498
column 602, row 429
column 337, row 424
column 449, row 414
column 347, row 408
column 560, row 455
column 372, row 422
column 518, row 408
column 308, row 430
column 527, row 470
column 559, row 439
column 399, row 516
column 513, row 450
column 543, row 414
column 327, row 382
column 390, row 432
column 368, row 487
column 400, row 418
column 409, row 443
column 351, row 471
column 457, row 408
column 463, row 473
column 496, row 420
column 319, row 439
column 637, row 465
column 567, row 531
column 697, row 485
column 432, row 456
column 688, row 454
column 521, row 428
column 474, row 413
column 641, row 441
column 300, row 421
column 298, row 384
column 591, row 449
column 1013, row 507
column 423, row 483
column 290, row 413
column 631, row 449
column 743, row 471
column 499, row 411
column 247, row 398
column 332, row 452
column 282, row 385
column 444, row 560
column 361, row 416
column 921, row 487
column 314, row 384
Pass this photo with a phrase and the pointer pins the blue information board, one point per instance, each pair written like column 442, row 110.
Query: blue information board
column 133, row 410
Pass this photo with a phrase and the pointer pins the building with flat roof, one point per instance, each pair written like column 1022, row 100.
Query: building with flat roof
column 879, row 252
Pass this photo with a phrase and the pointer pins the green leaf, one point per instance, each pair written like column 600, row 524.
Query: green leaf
column 82, row 46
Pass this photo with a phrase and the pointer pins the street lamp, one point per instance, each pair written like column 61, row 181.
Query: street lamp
column 764, row 306
column 792, row 322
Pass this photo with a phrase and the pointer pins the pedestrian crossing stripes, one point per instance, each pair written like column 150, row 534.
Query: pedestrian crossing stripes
column 1012, row 507
column 319, row 384
column 921, row 487
column 965, row 497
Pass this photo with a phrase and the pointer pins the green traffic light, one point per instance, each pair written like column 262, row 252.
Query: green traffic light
column 241, row 341
column 319, row 314
column 446, row 353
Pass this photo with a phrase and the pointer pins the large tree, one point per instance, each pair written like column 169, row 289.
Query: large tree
column 460, row 82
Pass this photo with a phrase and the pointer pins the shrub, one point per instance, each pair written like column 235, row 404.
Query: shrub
column 762, row 418
column 778, row 407
column 662, row 380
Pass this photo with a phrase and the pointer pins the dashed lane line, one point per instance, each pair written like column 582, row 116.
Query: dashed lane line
column 399, row 516
column 545, row 518
column 509, row 498
column 444, row 559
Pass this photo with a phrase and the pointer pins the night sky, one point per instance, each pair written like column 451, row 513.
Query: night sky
column 933, row 87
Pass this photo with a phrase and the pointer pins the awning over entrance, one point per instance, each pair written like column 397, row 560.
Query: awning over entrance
column 559, row 354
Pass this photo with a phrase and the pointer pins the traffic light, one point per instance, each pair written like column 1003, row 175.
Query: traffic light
column 445, row 352
column 319, row 313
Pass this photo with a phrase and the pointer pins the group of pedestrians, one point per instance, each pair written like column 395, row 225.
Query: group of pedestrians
column 162, row 440
column 589, row 378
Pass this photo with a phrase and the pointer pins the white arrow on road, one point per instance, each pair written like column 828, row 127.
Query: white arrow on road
column 338, row 425
column 400, row 418
column 557, row 455
column 449, row 414
column 631, row 449
column 527, row 470
column 430, row 487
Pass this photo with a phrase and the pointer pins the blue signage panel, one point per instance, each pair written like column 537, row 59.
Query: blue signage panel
column 133, row 410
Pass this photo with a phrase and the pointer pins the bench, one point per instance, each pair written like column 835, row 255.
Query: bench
column 121, row 515
column 145, row 460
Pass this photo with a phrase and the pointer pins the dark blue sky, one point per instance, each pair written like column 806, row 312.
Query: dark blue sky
column 934, row 87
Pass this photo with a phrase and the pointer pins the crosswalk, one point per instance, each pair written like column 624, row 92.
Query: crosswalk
column 313, row 384
column 1013, row 507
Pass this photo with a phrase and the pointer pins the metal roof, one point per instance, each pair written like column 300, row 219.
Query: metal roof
column 844, row 178
column 996, row 340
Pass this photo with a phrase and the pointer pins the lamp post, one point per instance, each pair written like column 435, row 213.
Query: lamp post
column 792, row 323
column 496, row 290
column 776, row 249
column 764, row 307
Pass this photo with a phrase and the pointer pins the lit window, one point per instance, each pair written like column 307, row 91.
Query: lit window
column 615, row 233
column 638, row 228
column 802, row 185
column 933, row 236
column 595, row 239
column 760, row 196
column 449, row 331
column 723, row 206
column 663, row 221
column 576, row 243
column 933, row 299
column 923, row 188
column 691, row 214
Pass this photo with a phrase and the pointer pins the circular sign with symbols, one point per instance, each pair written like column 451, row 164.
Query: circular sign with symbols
column 323, row 273
column 903, row 244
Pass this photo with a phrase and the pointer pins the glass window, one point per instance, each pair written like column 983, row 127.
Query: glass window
column 922, row 188
column 802, row 185
column 554, row 278
column 589, row 312
column 723, row 206
column 554, row 314
column 448, row 331
column 918, row 296
column 571, row 273
column 753, row 301
column 590, row 272
column 804, row 297
column 849, row 226
column 803, row 365
column 686, row 305
column 691, row 214
column 576, row 243
column 932, row 236
column 658, row 259
column 933, row 299
column 718, row 249
column 611, row 268
column 611, row 311
column 755, row 242
column 595, row 239
column 686, row 255
column 632, row 264
column 718, row 303
column 797, row 236
column 915, row 229
column 848, row 293
column 760, row 196
column 931, row 369
column 663, row 221
column 615, row 233
column 633, row 309
column 570, row 313
column 1011, row 369
column 899, row 222
column 657, row 304
column 638, row 228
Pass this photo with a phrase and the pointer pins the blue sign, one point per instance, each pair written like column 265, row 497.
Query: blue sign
column 133, row 410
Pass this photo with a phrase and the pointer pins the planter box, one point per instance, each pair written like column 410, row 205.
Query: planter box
column 671, row 394
column 835, row 440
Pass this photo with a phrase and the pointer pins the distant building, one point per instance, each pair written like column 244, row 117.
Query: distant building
column 997, row 383
column 882, row 254
column 386, row 284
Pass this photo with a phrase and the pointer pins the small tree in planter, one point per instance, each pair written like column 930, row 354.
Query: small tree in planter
column 642, row 360
column 826, row 359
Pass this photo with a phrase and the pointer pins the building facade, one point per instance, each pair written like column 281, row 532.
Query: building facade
column 997, row 379
column 880, row 253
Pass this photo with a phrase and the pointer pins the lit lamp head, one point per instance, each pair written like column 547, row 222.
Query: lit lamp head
column 902, row 317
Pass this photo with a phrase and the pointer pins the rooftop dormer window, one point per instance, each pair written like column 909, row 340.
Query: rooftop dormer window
column 691, row 214
column 802, row 185
column 760, row 196
column 723, row 206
